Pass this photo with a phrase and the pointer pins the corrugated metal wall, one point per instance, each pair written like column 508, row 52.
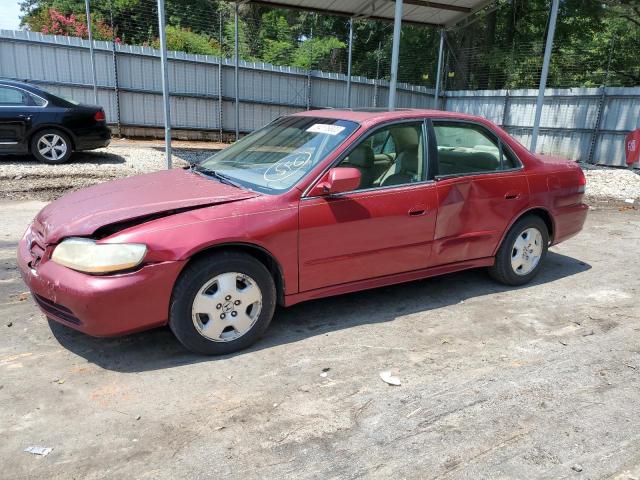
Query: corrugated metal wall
column 583, row 124
column 587, row 124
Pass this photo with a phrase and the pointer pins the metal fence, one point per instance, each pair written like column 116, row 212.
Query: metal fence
column 582, row 124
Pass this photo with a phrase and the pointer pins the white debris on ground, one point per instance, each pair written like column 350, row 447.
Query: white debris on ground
column 606, row 183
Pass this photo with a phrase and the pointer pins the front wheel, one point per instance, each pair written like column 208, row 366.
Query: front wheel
column 222, row 303
column 522, row 252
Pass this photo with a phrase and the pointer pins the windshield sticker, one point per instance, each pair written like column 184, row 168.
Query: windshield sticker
column 287, row 166
column 325, row 128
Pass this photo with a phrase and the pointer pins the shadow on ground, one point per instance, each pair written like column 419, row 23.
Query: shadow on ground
column 95, row 158
column 157, row 349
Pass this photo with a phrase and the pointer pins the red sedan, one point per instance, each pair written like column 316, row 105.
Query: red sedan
column 314, row 204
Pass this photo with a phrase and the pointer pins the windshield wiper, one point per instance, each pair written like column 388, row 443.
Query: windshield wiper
column 215, row 174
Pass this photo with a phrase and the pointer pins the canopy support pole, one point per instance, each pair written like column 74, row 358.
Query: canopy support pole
column 436, row 97
column 92, row 53
column 545, row 72
column 236, row 77
column 395, row 54
column 165, row 83
column 349, row 62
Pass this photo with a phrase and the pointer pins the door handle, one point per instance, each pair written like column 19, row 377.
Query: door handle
column 417, row 211
column 512, row 195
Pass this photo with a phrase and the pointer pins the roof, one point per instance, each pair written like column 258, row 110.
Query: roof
column 440, row 13
column 13, row 83
column 368, row 117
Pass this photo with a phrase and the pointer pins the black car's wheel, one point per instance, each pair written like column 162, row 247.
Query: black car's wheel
column 222, row 303
column 522, row 251
column 51, row 146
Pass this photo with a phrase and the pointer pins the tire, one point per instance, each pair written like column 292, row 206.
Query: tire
column 516, row 262
column 42, row 142
column 215, row 308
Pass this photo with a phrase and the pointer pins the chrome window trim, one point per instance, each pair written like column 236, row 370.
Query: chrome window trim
column 46, row 102
column 352, row 147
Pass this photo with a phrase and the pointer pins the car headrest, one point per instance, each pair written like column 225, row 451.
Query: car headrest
column 409, row 160
column 362, row 156
column 405, row 137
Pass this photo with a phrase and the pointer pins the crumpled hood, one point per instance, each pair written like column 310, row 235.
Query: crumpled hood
column 82, row 212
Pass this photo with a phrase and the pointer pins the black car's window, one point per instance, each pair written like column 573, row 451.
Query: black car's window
column 39, row 101
column 392, row 155
column 465, row 148
column 10, row 97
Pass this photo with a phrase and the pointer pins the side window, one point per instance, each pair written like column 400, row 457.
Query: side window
column 509, row 160
column 390, row 156
column 40, row 102
column 13, row 97
column 465, row 148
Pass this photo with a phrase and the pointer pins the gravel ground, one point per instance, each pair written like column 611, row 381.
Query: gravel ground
column 536, row 382
column 23, row 178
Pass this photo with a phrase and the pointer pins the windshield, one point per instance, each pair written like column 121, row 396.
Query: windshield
column 272, row 159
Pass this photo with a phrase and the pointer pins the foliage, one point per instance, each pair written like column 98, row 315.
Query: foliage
column 52, row 22
column 184, row 40
column 313, row 50
column 596, row 41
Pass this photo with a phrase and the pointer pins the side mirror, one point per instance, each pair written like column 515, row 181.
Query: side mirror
column 337, row 180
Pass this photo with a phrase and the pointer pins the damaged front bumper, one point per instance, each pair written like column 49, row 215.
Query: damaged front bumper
column 100, row 306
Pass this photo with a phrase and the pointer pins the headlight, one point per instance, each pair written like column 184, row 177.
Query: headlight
column 88, row 256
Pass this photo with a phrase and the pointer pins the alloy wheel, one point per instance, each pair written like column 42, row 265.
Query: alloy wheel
column 52, row 146
column 526, row 251
column 226, row 307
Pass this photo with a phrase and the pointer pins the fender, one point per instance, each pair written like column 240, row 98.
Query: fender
column 55, row 126
column 519, row 216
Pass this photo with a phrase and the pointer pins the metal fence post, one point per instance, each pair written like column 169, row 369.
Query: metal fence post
column 505, row 109
column 309, row 89
column 349, row 62
column 596, row 127
column 376, row 81
column 165, row 83
column 545, row 72
column 237, row 70
column 91, row 52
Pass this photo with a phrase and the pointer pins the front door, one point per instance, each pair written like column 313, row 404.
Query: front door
column 384, row 227
column 481, row 187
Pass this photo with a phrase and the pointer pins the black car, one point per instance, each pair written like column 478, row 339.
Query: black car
column 51, row 128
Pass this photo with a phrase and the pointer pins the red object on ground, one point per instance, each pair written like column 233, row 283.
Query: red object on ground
column 632, row 147
column 319, row 245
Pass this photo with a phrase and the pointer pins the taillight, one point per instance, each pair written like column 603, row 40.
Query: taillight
column 582, row 182
column 99, row 116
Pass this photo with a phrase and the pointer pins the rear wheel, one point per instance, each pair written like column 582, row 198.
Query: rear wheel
column 522, row 252
column 51, row 146
column 222, row 303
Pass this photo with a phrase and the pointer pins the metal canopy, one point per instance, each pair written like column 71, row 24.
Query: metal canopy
column 440, row 13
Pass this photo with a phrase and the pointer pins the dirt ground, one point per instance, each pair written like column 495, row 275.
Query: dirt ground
column 535, row 382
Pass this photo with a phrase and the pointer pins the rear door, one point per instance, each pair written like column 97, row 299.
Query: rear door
column 17, row 112
column 481, row 186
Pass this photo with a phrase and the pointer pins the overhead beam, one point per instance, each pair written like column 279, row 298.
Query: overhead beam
column 439, row 6
column 337, row 13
